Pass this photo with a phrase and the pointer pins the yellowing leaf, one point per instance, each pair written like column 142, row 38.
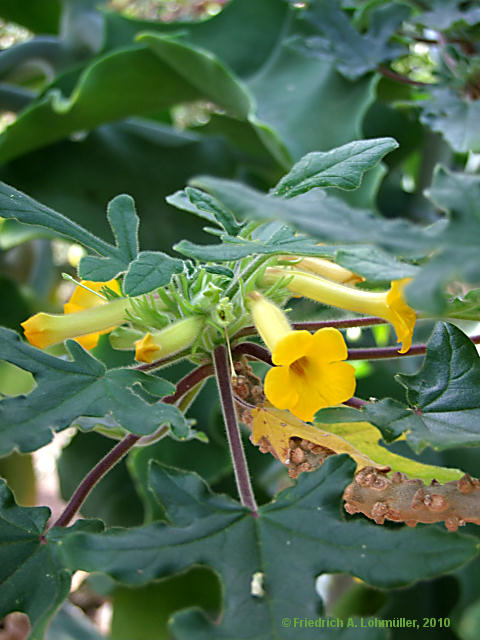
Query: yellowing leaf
column 365, row 437
column 279, row 426
column 359, row 439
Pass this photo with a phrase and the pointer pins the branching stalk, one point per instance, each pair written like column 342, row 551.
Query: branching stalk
column 119, row 450
column 93, row 476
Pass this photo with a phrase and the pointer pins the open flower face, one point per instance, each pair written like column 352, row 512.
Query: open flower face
column 310, row 374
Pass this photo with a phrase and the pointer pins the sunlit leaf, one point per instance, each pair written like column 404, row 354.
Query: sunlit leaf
column 342, row 167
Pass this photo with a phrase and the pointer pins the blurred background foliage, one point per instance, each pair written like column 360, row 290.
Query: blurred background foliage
column 89, row 110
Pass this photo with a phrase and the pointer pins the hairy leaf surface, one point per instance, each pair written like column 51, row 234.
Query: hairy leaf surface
column 67, row 389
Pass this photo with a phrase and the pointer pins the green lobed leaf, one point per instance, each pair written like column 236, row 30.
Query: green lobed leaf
column 353, row 54
column 125, row 82
column 232, row 34
column 146, row 159
column 456, row 257
column 157, row 73
column 325, row 217
column 33, row 577
column 291, row 87
column 444, row 15
column 222, row 216
column 251, row 38
column 17, row 205
column 457, row 119
column 182, row 200
column 234, row 248
column 443, row 397
column 123, row 221
column 342, row 167
column 374, row 264
column 282, row 547
column 150, row 270
column 67, row 389
column 445, row 393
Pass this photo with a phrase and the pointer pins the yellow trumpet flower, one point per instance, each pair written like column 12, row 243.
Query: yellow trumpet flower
column 86, row 317
column 309, row 374
column 389, row 305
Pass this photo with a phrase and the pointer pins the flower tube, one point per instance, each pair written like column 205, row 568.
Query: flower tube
column 173, row 338
column 86, row 317
column 389, row 305
column 309, row 374
column 325, row 268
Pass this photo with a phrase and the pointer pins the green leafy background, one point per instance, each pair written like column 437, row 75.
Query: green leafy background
column 264, row 110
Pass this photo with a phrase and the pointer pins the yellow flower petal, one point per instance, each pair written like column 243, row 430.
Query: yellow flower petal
column 328, row 345
column 402, row 316
column 90, row 341
column 36, row 330
column 292, row 347
column 307, row 406
column 312, row 376
column 146, row 349
column 270, row 321
column 278, row 388
column 83, row 299
column 337, row 383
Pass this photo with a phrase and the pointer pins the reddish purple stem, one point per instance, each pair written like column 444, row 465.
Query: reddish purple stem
column 322, row 324
column 242, row 477
column 356, row 403
column 120, row 449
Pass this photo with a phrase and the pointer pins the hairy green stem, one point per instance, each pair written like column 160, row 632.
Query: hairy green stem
column 245, row 274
